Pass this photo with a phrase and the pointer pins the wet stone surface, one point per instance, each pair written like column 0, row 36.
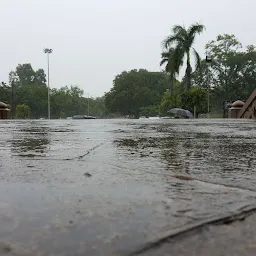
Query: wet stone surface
column 108, row 187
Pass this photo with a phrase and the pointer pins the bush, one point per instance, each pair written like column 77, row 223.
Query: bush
column 169, row 101
column 149, row 111
column 195, row 97
column 23, row 111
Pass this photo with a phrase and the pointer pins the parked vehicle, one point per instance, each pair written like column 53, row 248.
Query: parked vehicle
column 83, row 117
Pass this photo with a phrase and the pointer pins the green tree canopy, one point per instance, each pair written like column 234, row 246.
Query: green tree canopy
column 5, row 92
column 232, row 73
column 195, row 97
column 135, row 89
column 69, row 101
column 171, row 100
column 29, row 89
column 149, row 111
column 28, row 76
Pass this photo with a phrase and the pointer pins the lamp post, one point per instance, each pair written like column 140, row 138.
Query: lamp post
column 48, row 52
column 208, row 60
column 88, row 107
column 14, row 79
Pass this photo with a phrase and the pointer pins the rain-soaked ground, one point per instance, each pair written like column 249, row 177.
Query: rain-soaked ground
column 110, row 187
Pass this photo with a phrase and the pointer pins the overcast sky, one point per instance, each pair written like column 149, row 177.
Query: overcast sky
column 94, row 40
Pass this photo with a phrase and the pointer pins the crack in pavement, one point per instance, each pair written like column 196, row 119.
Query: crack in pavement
column 188, row 178
column 240, row 215
column 91, row 150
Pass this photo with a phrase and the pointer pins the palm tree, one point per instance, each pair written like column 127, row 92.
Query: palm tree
column 173, row 62
column 179, row 45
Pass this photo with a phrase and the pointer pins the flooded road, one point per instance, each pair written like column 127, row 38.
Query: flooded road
column 108, row 187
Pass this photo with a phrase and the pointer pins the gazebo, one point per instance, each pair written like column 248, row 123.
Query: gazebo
column 5, row 112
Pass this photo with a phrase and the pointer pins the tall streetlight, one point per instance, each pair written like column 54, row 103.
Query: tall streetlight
column 208, row 60
column 48, row 52
column 88, row 107
column 14, row 80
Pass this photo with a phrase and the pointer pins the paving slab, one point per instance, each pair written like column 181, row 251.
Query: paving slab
column 219, row 239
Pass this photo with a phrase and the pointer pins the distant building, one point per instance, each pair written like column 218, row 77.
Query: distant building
column 5, row 112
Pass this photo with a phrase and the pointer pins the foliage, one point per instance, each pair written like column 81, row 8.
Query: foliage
column 173, row 64
column 35, row 96
column 28, row 76
column 5, row 92
column 195, row 97
column 29, row 88
column 23, row 111
column 171, row 100
column 178, row 45
column 98, row 108
column 232, row 73
column 69, row 101
column 149, row 111
column 135, row 89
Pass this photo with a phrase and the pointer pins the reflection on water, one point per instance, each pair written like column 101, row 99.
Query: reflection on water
column 33, row 139
column 204, row 163
column 26, row 145
column 31, row 142
column 209, row 151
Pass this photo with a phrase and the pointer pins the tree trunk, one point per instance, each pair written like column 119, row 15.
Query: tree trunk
column 188, row 77
column 172, row 84
column 188, row 71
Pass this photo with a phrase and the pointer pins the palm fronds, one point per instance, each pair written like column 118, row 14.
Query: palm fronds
column 177, row 46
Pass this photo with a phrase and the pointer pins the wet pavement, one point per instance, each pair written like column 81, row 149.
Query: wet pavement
column 111, row 187
column 213, row 240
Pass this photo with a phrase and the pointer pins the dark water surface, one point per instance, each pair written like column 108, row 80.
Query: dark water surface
column 107, row 187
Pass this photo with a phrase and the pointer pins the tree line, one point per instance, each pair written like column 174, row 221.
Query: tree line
column 27, row 93
column 231, row 75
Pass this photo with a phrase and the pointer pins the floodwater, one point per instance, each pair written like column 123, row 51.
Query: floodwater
column 108, row 187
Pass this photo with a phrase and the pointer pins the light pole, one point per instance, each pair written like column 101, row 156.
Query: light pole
column 208, row 60
column 88, row 107
column 14, row 79
column 48, row 52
